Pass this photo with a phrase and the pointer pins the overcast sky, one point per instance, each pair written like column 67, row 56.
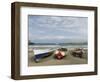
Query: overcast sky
column 57, row 29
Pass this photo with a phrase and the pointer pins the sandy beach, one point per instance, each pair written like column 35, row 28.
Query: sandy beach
column 69, row 59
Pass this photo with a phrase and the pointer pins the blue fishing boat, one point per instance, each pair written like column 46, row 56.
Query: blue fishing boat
column 40, row 54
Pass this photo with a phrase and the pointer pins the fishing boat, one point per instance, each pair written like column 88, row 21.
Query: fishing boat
column 40, row 54
column 60, row 53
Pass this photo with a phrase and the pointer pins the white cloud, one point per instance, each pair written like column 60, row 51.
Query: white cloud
column 56, row 27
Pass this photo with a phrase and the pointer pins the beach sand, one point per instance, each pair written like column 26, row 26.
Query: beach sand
column 68, row 60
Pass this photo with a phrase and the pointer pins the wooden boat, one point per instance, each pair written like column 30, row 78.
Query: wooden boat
column 60, row 53
column 78, row 53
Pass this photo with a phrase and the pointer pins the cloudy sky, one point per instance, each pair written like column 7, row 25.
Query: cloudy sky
column 57, row 29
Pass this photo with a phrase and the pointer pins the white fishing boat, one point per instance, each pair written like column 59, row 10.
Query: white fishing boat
column 41, row 53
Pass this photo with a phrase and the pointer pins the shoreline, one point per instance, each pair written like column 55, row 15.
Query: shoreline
column 68, row 60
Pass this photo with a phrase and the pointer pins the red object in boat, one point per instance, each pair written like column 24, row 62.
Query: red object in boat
column 59, row 54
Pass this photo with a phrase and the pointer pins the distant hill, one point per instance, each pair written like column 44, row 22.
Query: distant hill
column 68, row 43
column 30, row 43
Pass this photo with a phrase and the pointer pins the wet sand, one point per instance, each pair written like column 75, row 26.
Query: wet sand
column 48, row 61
